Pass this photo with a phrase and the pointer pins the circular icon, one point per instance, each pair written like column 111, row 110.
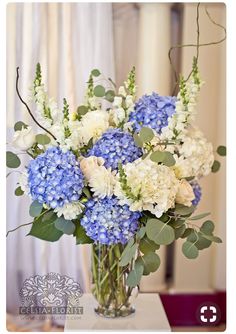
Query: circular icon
column 208, row 314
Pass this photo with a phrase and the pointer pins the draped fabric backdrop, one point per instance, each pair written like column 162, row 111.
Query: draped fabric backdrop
column 70, row 39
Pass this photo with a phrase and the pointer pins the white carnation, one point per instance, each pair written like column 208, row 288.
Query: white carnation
column 70, row 211
column 93, row 125
column 154, row 187
column 100, row 179
column 185, row 194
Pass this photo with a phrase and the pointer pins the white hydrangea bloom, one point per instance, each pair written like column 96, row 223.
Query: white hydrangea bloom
column 185, row 194
column 155, row 187
column 100, row 179
column 195, row 156
column 93, row 125
column 70, row 211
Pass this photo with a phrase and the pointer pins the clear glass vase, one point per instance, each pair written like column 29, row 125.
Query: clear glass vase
column 109, row 282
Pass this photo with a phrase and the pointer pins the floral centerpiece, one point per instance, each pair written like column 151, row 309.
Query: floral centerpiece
column 119, row 173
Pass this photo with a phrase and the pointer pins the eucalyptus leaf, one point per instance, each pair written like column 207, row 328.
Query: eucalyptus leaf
column 64, row 225
column 179, row 231
column 184, row 210
column 137, row 140
column 141, row 232
column 50, row 215
column 176, row 223
column 169, row 159
column 207, row 227
column 12, row 160
column 82, row 110
column 187, row 232
column 202, row 242
column 160, row 233
column 42, row 139
column 19, row 191
column 157, row 156
column 221, row 150
column 150, row 261
column 193, row 237
column 19, row 126
column 99, row 91
column 35, row 208
column 95, row 72
column 190, row 250
column 146, row 134
column 109, row 95
column 212, row 238
column 128, row 253
column 215, row 167
column 202, row 215
column 146, row 245
column 135, row 275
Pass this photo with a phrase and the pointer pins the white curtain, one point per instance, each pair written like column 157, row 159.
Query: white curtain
column 70, row 39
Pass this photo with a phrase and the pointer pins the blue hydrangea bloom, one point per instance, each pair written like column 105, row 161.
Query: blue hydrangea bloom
column 107, row 222
column 152, row 111
column 197, row 192
column 55, row 178
column 116, row 146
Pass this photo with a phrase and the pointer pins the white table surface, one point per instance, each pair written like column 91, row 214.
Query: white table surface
column 149, row 316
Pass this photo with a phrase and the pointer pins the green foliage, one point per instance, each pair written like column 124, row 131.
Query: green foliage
column 202, row 242
column 137, row 140
column 81, row 110
column 65, row 109
column 42, row 139
column 12, row 160
column 38, row 76
column 221, row 150
column 160, row 233
column 215, row 167
column 99, row 91
column 179, row 231
column 81, row 236
column 213, row 238
column 165, row 157
column 131, row 87
column 19, row 191
column 128, row 253
column 135, row 275
column 45, row 230
column 200, row 216
column 140, row 234
column 146, row 245
column 65, row 226
column 187, row 232
column 19, row 126
column 176, row 223
column 146, row 134
column 95, row 72
column 207, row 227
column 150, row 262
column 124, row 184
column 35, row 208
column 109, row 95
column 86, row 192
column 190, row 250
column 184, row 210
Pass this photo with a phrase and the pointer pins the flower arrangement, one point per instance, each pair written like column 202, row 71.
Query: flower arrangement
column 118, row 173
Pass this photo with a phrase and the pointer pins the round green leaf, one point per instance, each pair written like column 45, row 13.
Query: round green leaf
column 150, row 261
column 109, row 95
column 135, row 275
column 187, row 232
column 99, row 91
column 128, row 254
column 207, row 227
column 202, row 215
column 184, row 210
column 160, row 233
column 65, row 226
column 35, row 208
column 215, row 167
column 12, row 160
column 221, row 150
column 137, row 140
column 157, row 156
column 141, row 232
column 42, row 139
column 193, row 237
column 95, row 72
column 202, row 242
column 212, row 238
column 19, row 126
column 169, row 159
column 19, row 191
column 146, row 134
column 82, row 110
column 146, row 245
column 190, row 250
column 179, row 231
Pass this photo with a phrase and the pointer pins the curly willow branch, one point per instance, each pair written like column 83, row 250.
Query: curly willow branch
column 197, row 45
column 27, row 107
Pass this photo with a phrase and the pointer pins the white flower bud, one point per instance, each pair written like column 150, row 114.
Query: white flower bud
column 24, row 138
